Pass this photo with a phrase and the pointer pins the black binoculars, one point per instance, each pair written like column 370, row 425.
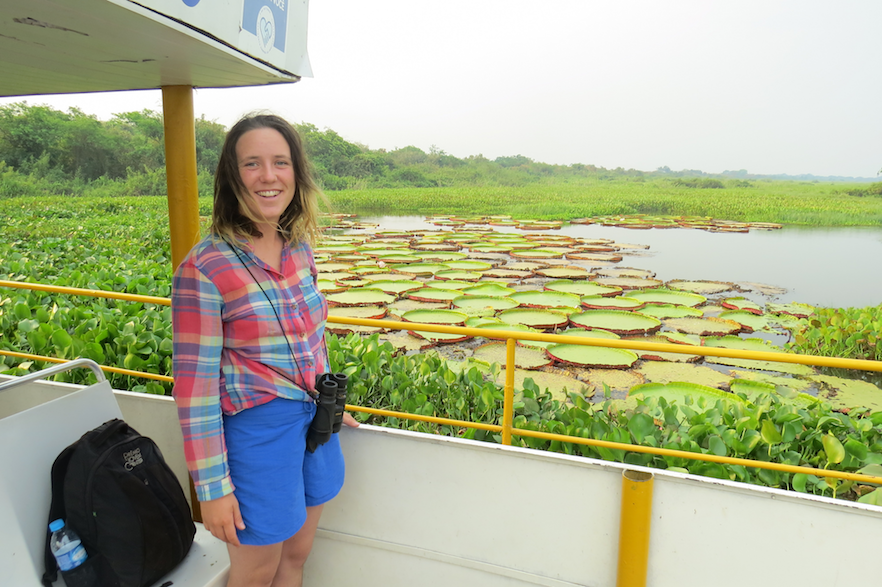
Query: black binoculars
column 330, row 404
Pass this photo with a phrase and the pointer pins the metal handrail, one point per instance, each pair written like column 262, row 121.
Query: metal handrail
column 506, row 428
column 55, row 370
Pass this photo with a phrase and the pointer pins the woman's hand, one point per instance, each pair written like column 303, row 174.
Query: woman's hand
column 221, row 517
column 349, row 420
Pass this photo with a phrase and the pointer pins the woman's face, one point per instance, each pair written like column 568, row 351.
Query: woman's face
column 267, row 172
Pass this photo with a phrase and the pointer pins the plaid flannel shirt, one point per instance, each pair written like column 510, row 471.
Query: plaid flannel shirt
column 230, row 352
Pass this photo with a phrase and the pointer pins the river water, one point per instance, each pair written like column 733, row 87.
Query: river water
column 829, row 267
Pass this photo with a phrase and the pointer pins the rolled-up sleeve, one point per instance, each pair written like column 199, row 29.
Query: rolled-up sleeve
column 197, row 310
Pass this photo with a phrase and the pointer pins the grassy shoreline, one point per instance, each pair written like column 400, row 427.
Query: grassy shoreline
column 793, row 203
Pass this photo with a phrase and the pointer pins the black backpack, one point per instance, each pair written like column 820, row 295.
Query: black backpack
column 114, row 489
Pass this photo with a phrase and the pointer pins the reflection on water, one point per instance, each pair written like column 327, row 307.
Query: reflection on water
column 832, row 267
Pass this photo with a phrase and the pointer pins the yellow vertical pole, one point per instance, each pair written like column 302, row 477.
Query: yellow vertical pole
column 179, row 124
column 508, row 401
column 180, row 165
column 636, row 518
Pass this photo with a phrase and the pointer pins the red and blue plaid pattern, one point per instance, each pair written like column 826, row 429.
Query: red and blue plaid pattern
column 230, row 352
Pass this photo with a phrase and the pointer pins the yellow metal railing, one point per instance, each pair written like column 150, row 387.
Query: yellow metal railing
column 506, row 428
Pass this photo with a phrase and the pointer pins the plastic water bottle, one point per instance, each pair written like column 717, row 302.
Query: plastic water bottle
column 66, row 546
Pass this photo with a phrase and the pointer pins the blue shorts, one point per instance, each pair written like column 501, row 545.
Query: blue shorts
column 275, row 477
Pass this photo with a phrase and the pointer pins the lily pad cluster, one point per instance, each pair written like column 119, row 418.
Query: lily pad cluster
column 478, row 272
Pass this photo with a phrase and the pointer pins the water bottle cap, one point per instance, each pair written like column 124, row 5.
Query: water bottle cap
column 56, row 525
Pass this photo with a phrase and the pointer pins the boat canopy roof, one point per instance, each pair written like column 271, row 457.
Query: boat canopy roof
column 56, row 47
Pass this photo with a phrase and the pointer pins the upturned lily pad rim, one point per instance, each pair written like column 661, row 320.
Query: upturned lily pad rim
column 617, row 321
column 591, row 356
column 448, row 317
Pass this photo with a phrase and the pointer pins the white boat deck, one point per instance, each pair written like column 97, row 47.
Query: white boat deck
column 427, row 510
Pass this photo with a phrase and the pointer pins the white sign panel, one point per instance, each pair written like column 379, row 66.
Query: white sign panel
column 273, row 31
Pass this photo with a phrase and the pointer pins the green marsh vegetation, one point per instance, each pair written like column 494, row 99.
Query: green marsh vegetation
column 78, row 215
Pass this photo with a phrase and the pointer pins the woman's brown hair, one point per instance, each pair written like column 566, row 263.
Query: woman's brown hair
column 232, row 218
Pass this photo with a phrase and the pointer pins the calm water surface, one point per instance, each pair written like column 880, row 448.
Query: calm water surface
column 832, row 267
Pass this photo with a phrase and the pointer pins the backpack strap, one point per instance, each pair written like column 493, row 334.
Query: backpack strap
column 56, row 510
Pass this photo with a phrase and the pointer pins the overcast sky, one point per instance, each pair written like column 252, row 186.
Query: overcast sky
column 771, row 86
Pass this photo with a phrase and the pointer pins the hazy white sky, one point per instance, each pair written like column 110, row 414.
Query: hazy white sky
column 771, row 86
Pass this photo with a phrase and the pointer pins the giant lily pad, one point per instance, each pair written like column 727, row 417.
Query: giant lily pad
column 748, row 320
column 546, row 299
column 565, row 272
column 525, row 358
column 396, row 287
column 448, row 284
column 535, row 254
column 602, row 257
column 849, row 393
column 370, row 312
column 611, row 303
column 591, row 356
column 662, row 372
column 444, row 337
column 488, row 289
column 431, row 294
column 664, row 311
column 506, row 273
column 558, row 385
column 704, row 326
column 419, row 268
column 581, row 288
column 441, row 256
column 755, row 344
column 469, row 265
column 332, row 267
column 360, row 296
column 616, row 321
column 661, row 355
column 742, row 304
column 793, row 309
column 470, row 303
column 679, row 390
column 668, row 296
column 534, row 318
column 628, row 282
column 700, row 287
column 626, row 272
column 458, row 275
column 326, row 286
column 449, row 317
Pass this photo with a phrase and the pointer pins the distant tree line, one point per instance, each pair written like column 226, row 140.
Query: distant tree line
column 46, row 151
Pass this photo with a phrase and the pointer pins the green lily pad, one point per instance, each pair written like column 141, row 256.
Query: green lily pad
column 535, row 254
column 799, row 386
column 626, row 272
column 582, row 288
column 332, row 267
column 441, row 256
column 525, row 358
column 420, row 268
column 449, row 284
column 326, row 286
column 700, row 287
column 506, row 273
column 469, row 265
column 628, row 282
column 704, row 326
column 793, row 309
column 597, row 257
column 611, row 303
column 369, row 312
column 748, row 320
column 449, row 317
column 756, row 344
column 663, row 372
column 444, row 337
column 617, row 321
column 742, row 304
column 665, row 311
column 488, row 289
column 754, row 389
column 396, row 287
column 433, row 294
column 546, row 299
column 534, row 318
column 668, row 296
column 565, row 273
column 458, row 275
column 661, row 355
column 849, row 393
column 592, row 356
column 678, row 390
column 479, row 302
column 478, row 321
column 360, row 296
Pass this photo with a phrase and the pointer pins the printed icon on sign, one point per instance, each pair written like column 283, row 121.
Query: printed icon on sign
column 266, row 29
